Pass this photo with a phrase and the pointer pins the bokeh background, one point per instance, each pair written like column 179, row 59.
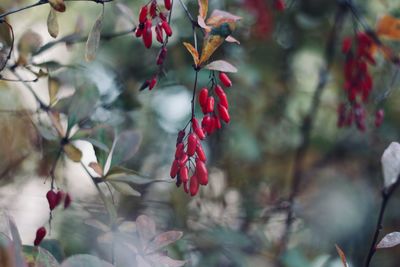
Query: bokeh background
column 238, row 219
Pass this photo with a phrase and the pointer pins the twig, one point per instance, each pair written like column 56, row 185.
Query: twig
column 308, row 123
column 386, row 194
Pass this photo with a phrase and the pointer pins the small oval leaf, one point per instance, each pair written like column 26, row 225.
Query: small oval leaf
column 390, row 240
column 193, row 52
column 391, row 164
column 72, row 152
column 52, row 23
column 92, row 43
column 221, row 65
column 58, row 5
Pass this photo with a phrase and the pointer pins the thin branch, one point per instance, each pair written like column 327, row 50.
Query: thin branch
column 386, row 195
column 190, row 17
column 307, row 125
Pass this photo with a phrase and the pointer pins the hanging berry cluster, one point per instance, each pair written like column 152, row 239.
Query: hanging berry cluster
column 191, row 162
column 358, row 81
column 54, row 199
column 150, row 14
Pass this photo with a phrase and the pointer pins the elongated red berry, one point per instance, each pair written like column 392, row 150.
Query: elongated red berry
column 194, row 185
column 191, row 145
column 139, row 30
column 223, row 113
column 184, row 174
column 159, row 34
column 346, row 45
column 40, row 234
column 147, row 34
column 225, row 79
column 201, row 172
column 180, row 150
column 207, row 124
column 181, row 135
column 161, row 56
column 162, row 16
column 152, row 83
column 52, row 199
column 200, row 152
column 67, row 201
column 223, row 100
column 217, row 122
column 153, row 9
column 196, row 128
column 168, row 4
column 203, row 95
column 166, row 27
column 174, row 169
column 210, row 104
column 143, row 14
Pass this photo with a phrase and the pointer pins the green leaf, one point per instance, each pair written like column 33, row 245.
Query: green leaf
column 85, row 261
column 72, row 152
column 92, row 43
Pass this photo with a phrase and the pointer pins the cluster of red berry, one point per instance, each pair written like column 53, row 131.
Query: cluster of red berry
column 54, row 199
column 358, row 81
column 151, row 13
column 193, row 159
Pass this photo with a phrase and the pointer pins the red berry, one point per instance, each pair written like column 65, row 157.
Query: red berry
column 153, row 9
column 200, row 152
column 143, row 14
column 279, row 5
column 180, row 137
column 223, row 113
column 179, row 151
column 159, row 34
column 147, row 34
column 67, row 201
column 40, row 234
column 166, row 27
column 346, row 45
column 183, row 160
column 152, row 83
column 196, row 128
column 225, row 79
column 203, row 95
column 194, row 185
column 60, row 196
column 162, row 16
column 168, row 4
column 184, row 174
column 223, row 100
column 52, row 199
column 192, row 143
column 174, row 169
column 210, row 104
column 217, row 122
column 139, row 30
column 207, row 124
column 161, row 56
column 201, row 172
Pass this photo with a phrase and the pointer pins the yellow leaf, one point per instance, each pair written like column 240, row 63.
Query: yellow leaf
column 210, row 44
column 52, row 23
column 388, row 27
column 56, row 121
column 29, row 43
column 92, row 43
column 58, row 5
column 72, row 152
column 203, row 8
column 193, row 52
column 54, row 86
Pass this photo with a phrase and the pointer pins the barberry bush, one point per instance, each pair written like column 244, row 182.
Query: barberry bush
column 199, row 133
